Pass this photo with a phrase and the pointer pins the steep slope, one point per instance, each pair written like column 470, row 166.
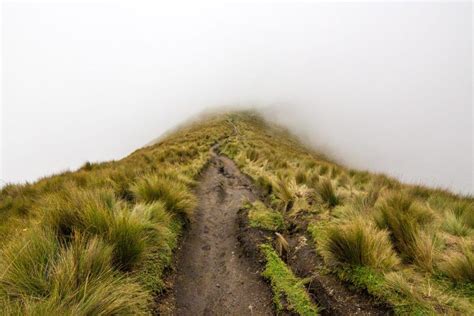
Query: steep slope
column 326, row 238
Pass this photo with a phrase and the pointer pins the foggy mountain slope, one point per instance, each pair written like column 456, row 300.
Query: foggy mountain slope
column 398, row 144
column 233, row 202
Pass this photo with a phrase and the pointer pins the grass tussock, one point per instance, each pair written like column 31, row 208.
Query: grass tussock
column 176, row 195
column 301, row 177
column 455, row 225
column 464, row 210
column 327, row 194
column 284, row 195
column 42, row 276
column 358, row 242
column 459, row 265
column 406, row 221
column 25, row 263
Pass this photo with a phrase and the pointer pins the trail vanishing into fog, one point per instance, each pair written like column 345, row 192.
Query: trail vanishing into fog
column 214, row 277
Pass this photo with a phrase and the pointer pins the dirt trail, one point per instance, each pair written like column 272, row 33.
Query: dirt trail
column 214, row 277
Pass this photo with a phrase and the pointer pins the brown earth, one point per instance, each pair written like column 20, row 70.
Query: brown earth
column 213, row 275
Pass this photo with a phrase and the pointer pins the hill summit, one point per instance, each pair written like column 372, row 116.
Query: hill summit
column 232, row 215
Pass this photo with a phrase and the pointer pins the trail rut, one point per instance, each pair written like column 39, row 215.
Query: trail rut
column 214, row 277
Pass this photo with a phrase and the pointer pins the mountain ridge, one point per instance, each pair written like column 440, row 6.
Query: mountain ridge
column 115, row 227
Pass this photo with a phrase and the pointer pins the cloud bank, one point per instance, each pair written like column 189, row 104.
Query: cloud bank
column 379, row 86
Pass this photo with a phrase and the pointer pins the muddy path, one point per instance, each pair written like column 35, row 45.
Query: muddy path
column 213, row 276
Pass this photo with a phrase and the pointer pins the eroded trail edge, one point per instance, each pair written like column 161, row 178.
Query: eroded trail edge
column 214, row 277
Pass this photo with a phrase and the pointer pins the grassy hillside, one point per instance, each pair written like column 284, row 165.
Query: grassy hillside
column 409, row 246
column 97, row 240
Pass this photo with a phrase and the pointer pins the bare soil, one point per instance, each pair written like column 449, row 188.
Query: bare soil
column 213, row 275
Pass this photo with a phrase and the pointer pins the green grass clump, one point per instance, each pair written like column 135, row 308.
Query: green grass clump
column 127, row 233
column 327, row 194
column 174, row 194
column 391, row 287
column 301, row 177
column 406, row 221
column 263, row 217
column 252, row 154
column 464, row 210
column 25, row 263
column 43, row 277
column 74, row 209
column 358, row 242
column 16, row 199
column 455, row 225
column 286, row 286
column 97, row 212
column 459, row 266
column 161, row 239
column 84, row 281
column 265, row 184
column 284, row 195
column 366, row 201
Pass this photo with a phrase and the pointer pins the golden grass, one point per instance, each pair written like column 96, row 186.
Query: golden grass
column 126, row 215
column 421, row 225
column 96, row 241
column 358, row 242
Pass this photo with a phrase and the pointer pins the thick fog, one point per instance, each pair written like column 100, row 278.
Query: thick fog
column 379, row 86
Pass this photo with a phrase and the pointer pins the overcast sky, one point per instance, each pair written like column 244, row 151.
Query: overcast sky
column 379, row 86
